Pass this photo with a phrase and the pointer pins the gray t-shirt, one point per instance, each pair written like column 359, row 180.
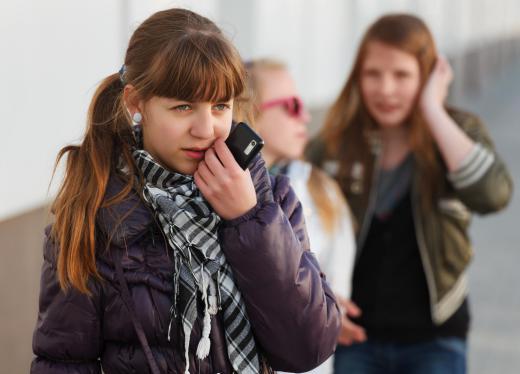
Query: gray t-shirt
column 392, row 185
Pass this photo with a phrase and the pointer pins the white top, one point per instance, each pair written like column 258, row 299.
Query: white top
column 335, row 251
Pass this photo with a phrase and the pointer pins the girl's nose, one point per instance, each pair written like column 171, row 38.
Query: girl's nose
column 305, row 116
column 203, row 126
column 387, row 85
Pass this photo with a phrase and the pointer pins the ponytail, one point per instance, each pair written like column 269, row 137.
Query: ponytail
column 82, row 192
column 174, row 53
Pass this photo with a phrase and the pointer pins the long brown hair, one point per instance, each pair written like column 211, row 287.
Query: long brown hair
column 174, row 53
column 319, row 185
column 347, row 123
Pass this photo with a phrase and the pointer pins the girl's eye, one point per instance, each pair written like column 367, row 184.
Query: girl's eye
column 221, row 107
column 402, row 74
column 371, row 73
column 182, row 107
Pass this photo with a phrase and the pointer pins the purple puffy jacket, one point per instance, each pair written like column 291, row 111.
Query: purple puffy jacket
column 291, row 308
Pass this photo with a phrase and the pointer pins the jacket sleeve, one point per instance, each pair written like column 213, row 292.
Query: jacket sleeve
column 482, row 182
column 292, row 310
column 67, row 334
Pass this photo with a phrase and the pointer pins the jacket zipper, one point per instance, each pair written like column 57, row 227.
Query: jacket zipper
column 372, row 199
column 423, row 252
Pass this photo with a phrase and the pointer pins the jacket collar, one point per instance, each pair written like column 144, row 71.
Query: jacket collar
column 374, row 140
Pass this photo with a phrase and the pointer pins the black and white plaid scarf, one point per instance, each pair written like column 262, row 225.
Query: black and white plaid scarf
column 191, row 227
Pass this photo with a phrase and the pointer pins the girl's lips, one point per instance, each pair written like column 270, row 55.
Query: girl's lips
column 197, row 154
column 387, row 108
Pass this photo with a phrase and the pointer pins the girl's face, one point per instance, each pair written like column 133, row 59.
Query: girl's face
column 282, row 122
column 390, row 81
column 177, row 133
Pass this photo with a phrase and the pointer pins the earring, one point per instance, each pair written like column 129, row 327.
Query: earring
column 137, row 118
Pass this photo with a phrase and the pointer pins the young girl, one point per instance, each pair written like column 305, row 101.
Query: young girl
column 412, row 171
column 281, row 120
column 165, row 256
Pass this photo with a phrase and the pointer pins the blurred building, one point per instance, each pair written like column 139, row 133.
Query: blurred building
column 55, row 52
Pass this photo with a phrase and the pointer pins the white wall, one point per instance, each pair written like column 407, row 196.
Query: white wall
column 319, row 38
column 55, row 52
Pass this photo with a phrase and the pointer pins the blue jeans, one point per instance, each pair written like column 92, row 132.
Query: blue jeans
column 438, row 356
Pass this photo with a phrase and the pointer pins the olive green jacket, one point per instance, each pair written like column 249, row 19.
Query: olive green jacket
column 482, row 184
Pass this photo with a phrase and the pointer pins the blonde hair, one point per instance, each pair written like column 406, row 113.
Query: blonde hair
column 253, row 70
column 321, row 187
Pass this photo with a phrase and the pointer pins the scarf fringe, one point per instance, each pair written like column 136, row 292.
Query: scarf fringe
column 204, row 343
column 191, row 227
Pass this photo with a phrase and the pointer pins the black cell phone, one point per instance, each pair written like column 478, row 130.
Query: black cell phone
column 244, row 143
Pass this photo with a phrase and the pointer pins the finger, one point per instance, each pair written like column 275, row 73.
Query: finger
column 351, row 333
column 355, row 331
column 352, row 309
column 224, row 154
column 360, row 337
column 205, row 171
column 449, row 71
column 445, row 67
column 345, row 340
column 201, row 183
column 358, row 333
column 213, row 163
column 441, row 61
column 345, row 336
column 206, row 175
column 440, row 69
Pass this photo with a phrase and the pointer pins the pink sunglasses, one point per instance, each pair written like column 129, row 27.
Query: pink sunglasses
column 293, row 105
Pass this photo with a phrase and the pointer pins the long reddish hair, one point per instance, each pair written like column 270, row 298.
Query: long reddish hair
column 347, row 123
column 174, row 53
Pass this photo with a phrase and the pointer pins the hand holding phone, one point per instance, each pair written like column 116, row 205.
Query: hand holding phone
column 244, row 143
column 227, row 187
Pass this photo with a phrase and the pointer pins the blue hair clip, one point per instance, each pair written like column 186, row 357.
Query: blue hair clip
column 122, row 73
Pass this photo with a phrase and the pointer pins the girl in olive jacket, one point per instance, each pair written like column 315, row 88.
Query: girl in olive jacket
column 412, row 171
